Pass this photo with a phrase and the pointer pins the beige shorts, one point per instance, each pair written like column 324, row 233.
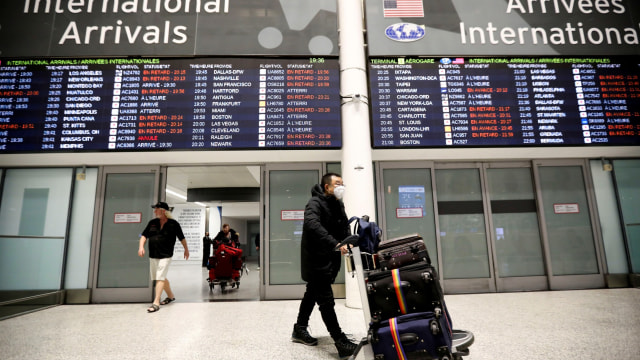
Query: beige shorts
column 159, row 268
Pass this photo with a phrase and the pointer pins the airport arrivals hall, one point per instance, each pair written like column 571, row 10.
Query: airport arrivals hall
column 505, row 133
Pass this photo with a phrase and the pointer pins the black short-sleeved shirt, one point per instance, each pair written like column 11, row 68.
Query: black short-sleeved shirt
column 162, row 241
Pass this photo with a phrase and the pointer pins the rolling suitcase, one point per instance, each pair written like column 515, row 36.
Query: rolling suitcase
column 410, row 289
column 461, row 340
column 401, row 251
column 414, row 336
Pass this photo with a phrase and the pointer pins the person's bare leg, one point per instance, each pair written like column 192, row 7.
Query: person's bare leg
column 159, row 288
column 167, row 289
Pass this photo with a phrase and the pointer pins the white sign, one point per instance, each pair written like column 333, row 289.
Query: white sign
column 127, row 218
column 408, row 213
column 288, row 215
column 192, row 221
column 566, row 208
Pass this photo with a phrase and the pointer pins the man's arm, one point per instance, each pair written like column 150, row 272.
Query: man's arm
column 186, row 250
column 143, row 239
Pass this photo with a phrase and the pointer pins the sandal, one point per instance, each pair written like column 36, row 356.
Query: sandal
column 167, row 300
column 153, row 308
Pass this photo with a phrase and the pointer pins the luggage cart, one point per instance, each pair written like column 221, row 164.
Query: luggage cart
column 462, row 339
column 226, row 268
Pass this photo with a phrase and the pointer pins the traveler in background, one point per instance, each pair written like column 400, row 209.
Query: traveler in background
column 161, row 232
column 257, row 243
column 325, row 225
column 206, row 249
column 226, row 236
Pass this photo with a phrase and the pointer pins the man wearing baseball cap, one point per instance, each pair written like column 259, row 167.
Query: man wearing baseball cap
column 161, row 232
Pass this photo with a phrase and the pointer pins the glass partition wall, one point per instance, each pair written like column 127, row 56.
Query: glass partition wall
column 503, row 226
column 33, row 232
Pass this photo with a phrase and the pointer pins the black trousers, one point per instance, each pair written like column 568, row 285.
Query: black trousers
column 320, row 293
column 206, row 248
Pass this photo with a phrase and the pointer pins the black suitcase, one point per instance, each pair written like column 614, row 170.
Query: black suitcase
column 401, row 251
column 414, row 336
column 410, row 289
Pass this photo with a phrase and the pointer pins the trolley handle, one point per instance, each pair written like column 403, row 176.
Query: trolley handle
column 351, row 240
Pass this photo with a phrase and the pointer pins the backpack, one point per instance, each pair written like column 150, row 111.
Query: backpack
column 369, row 234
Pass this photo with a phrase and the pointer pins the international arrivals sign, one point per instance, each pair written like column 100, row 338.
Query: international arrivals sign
column 503, row 27
column 77, row 28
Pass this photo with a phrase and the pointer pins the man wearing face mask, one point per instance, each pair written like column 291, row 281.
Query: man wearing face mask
column 325, row 225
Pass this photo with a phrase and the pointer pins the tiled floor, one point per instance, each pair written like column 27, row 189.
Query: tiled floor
column 585, row 324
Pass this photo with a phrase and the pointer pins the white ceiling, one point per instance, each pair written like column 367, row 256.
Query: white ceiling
column 182, row 178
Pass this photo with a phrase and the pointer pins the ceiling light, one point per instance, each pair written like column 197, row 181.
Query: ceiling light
column 176, row 194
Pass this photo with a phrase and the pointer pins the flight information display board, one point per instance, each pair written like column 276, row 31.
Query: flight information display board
column 58, row 105
column 467, row 102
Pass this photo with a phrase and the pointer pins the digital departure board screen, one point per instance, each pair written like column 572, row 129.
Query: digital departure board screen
column 146, row 104
column 466, row 102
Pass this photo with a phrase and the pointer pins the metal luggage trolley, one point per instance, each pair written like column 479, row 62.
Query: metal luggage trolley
column 226, row 268
column 462, row 339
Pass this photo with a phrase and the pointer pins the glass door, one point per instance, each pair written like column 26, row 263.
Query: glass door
column 627, row 173
column 287, row 191
column 406, row 193
column 570, row 244
column 126, row 194
column 515, row 231
column 467, row 262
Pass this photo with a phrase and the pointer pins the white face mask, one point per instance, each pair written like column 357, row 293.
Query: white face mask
column 338, row 192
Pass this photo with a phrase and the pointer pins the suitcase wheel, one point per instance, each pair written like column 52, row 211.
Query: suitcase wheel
column 426, row 276
column 370, row 288
column 444, row 353
column 371, row 338
column 438, row 312
column 435, row 328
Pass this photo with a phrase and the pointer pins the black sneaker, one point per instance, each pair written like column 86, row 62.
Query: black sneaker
column 301, row 335
column 345, row 347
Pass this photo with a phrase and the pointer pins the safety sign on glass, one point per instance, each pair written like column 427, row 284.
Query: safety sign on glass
column 127, row 218
column 566, row 208
column 287, row 215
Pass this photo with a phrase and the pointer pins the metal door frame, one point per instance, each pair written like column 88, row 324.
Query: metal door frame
column 380, row 186
column 520, row 283
column 569, row 282
column 477, row 285
column 381, row 203
column 106, row 295
column 292, row 291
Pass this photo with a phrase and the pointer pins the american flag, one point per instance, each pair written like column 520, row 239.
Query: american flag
column 403, row 8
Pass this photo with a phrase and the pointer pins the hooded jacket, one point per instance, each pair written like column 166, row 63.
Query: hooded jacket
column 325, row 225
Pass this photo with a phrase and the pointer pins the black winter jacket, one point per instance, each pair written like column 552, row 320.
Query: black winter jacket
column 325, row 225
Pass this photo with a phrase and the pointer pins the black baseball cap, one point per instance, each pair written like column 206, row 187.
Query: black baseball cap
column 161, row 205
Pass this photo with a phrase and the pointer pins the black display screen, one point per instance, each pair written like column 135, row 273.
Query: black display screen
column 468, row 102
column 59, row 105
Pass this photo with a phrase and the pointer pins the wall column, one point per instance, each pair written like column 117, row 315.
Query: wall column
column 357, row 167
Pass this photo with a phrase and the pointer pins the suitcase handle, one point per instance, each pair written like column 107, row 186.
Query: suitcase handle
column 409, row 339
column 403, row 284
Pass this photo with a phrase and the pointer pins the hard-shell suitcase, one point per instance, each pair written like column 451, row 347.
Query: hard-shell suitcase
column 414, row 336
column 410, row 289
column 401, row 251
